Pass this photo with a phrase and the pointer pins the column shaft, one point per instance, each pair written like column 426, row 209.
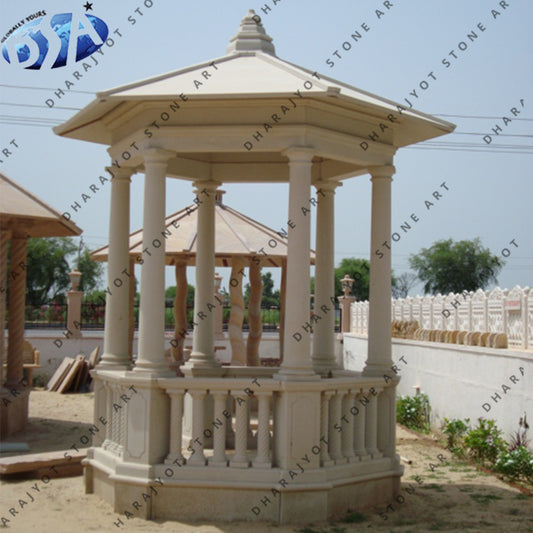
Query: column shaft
column 236, row 318
column 17, row 301
column 151, row 356
column 180, row 312
column 297, row 342
column 116, row 346
column 254, row 316
column 203, row 352
column 324, row 336
column 379, row 323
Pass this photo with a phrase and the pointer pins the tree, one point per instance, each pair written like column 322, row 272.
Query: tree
column 91, row 272
column 404, row 282
column 448, row 266
column 269, row 297
column 47, row 269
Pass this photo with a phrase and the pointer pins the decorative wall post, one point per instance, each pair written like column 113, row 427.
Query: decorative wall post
column 345, row 302
column 74, row 297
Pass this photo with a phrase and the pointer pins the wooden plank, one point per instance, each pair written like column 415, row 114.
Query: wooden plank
column 38, row 461
column 68, row 380
column 60, row 373
column 84, row 376
column 79, row 375
column 93, row 358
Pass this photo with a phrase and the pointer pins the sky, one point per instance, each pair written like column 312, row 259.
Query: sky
column 413, row 49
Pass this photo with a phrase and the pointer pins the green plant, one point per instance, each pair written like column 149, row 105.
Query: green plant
column 516, row 464
column 455, row 430
column 413, row 412
column 520, row 438
column 485, row 443
column 353, row 518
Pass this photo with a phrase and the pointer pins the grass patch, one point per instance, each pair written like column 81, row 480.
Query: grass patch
column 485, row 498
column 353, row 518
column 434, row 486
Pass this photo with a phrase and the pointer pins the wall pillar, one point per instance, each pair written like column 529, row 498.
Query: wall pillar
column 116, row 347
column 379, row 358
column 74, row 297
column 17, row 301
column 202, row 360
column 151, row 352
column 297, row 343
column 324, row 329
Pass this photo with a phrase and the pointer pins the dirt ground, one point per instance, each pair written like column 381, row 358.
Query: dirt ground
column 449, row 496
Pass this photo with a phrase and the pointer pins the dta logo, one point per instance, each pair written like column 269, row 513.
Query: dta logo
column 52, row 41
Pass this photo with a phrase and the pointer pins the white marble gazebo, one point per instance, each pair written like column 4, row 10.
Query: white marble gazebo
column 246, row 117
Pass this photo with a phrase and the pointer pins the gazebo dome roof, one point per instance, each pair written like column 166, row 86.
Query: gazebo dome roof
column 235, row 235
column 209, row 115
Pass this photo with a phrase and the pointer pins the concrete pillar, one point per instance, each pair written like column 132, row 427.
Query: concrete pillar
column 254, row 315
column 324, row 329
column 282, row 293
column 345, row 303
column 180, row 312
column 379, row 358
column 202, row 359
column 4, row 240
column 296, row 353
column 17, row 301
column 74, row 297
column 116, row 347
column 151, row 353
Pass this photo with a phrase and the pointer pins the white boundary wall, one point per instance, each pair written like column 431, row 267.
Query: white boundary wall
column 460, row 381
column 496, row 311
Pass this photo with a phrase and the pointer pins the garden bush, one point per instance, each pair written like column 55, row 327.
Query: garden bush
column 413, row 412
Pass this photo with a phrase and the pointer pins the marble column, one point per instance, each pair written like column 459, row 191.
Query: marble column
column 202, row 360
column 17, row 301
column 151, row 352
column 116, row 329
column 296, row 353
column 324, row 329
column 379, row 358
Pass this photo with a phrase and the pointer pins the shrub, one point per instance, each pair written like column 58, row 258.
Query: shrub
column 413, row 412
column 515, row 464
column 455, row 430
column 485, row 443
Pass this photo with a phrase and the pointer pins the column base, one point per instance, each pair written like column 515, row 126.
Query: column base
column 324, row 367
column 201, row 366
column 296, row 374
column 154, row 369
column 377, row 369
column 110, row 361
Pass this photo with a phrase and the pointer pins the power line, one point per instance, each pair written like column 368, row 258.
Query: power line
column 481, row 117
column 42, row 106
column 42, row 88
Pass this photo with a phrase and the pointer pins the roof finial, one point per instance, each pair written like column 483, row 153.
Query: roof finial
column 251, row 37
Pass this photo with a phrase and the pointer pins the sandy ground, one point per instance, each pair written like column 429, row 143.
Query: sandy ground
column 452, row 496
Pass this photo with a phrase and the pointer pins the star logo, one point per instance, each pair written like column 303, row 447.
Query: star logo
column 88, row 6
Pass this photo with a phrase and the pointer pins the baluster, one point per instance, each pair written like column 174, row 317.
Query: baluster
column 262, row 459
column 372, row 426
column 219, row 429
column 335, row 406
column 176, row 427
column 240, row 459
column 325, row 459
column 347, row 427
column 197, row 457
column 359, row 429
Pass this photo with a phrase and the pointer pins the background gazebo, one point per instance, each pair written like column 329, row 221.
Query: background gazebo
column 240, row 242
column 22, row 215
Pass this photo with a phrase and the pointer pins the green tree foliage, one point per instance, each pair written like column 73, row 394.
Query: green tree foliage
column 91, row 272
column 270, row 297
column 448, row 266
column 47, row 269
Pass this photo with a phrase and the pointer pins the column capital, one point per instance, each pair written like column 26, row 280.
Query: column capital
column 157, row 155
column 382, row 171
column 206, row 185
column 327, row 186
column 121, row 174
column 299, row 154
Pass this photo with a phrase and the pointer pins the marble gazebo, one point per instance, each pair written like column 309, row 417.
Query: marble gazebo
column 323, row 440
